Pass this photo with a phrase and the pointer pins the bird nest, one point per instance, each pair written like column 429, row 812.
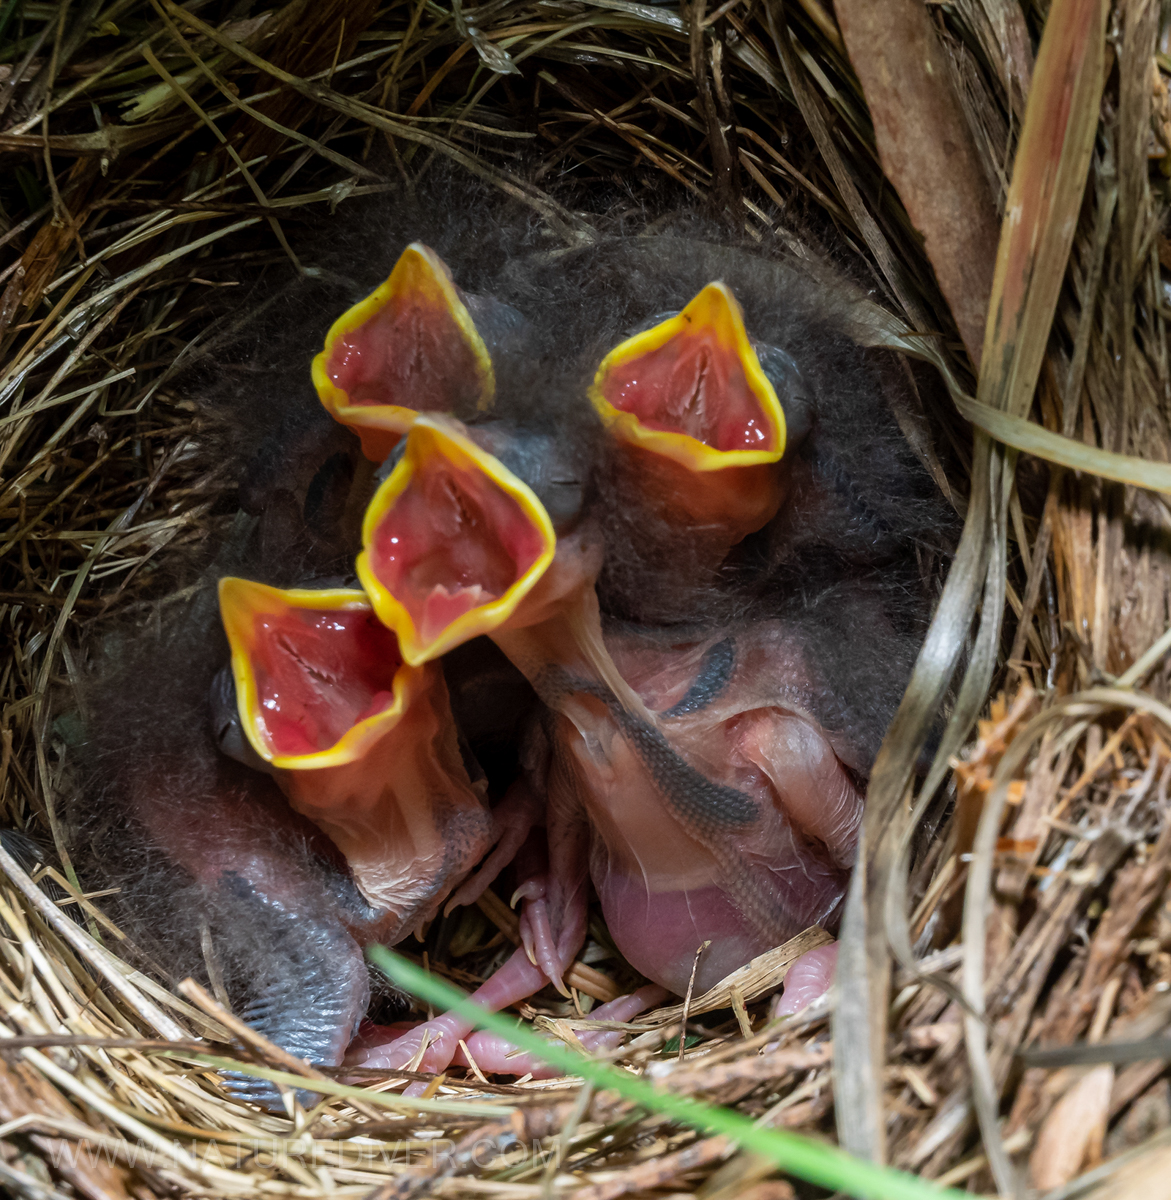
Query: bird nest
column 1006, row 952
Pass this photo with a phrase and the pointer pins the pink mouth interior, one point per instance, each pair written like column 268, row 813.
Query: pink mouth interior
column 410, row 353
column 695, row 386
column 452, row 541
column 318, row 673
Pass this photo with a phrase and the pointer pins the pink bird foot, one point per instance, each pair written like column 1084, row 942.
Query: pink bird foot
column 495, row 1055
column 809, row 978
column 433, row 1045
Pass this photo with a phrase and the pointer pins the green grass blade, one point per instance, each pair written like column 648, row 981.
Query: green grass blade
column 801, row 1156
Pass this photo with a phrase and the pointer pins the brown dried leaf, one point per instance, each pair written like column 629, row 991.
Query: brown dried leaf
column 53, row 243
column 1147, row 1178
column 927, row 150
column 1048, row 180
column 1073, row 1130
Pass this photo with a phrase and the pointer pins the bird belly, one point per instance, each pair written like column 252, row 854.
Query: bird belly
column 665, row 889
column 661, row 932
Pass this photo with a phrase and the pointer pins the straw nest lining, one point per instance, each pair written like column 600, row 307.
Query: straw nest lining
column 153, row 157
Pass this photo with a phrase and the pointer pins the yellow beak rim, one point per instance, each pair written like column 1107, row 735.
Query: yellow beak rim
column 714, row 310
column 419, row 270
column 430, row 437
column 241, row 601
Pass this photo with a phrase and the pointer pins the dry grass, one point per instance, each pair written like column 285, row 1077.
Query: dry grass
column 151, row 157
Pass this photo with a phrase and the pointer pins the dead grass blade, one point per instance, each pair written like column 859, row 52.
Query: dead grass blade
column 1044, row 198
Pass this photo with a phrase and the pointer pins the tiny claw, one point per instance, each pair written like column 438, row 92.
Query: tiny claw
column 540, row 944
column 531, row 889
column 526, row 940
column 476, row 885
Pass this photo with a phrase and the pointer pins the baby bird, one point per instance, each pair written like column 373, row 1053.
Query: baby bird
column 360, row 742
column 219, row 877
column 348, row 813
column 710, row 773
column 661, row 476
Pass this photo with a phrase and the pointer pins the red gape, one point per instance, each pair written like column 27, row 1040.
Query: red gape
column 452, row 542
column 411, row 346
column 296, row 651
column 695, row 376
column 694, row 422
column 362, row 744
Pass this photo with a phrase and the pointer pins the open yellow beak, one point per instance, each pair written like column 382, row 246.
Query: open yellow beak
column 319, row 679
column 452, row 542
column 411, row 346
column 692, row 389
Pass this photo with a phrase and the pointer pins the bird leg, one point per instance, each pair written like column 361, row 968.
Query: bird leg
column 512, row 821
column 433, row 1045
column 557, row 880
column 494, row 1054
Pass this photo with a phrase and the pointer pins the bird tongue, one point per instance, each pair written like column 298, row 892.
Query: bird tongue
column 453, row 542
column 318, row 677
column 410, row 346
column 444, row 603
